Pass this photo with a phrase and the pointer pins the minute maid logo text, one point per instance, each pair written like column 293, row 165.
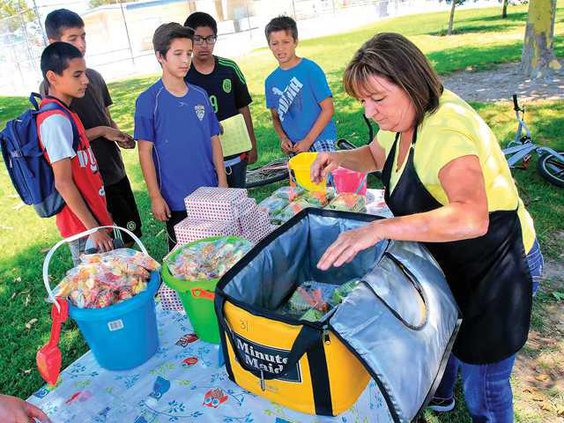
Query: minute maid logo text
column 267, row 359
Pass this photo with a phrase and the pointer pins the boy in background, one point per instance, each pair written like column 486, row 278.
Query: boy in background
column 226, row 86
column 297, row 94
column 101, row 130
column 76, row 171
column 177, row 131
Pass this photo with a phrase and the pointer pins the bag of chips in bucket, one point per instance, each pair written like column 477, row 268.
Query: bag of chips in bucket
column 115, row 314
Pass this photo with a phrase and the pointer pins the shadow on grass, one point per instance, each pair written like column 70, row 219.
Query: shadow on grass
column 465, row 28
column 476, row 58
column 511, row 17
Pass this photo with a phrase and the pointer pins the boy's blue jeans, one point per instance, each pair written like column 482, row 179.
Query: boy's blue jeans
column 487, row 387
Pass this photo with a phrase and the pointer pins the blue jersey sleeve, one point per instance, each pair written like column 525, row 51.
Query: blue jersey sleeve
column 319, row 84
column 144, row 119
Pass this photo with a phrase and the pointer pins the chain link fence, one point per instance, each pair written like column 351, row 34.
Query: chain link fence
column 119, row 34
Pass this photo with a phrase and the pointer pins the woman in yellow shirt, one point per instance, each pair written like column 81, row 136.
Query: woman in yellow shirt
column 449, row 186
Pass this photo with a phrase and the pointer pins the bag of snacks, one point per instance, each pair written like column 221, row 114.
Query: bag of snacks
column 104, row 279
column 348, row 202
column 291, row 210
column 316, row 198
column 273, row 205
column 288, row 193
column 207, row 259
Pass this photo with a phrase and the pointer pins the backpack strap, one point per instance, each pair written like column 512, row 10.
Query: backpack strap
column 56, row 106
column 33, row 99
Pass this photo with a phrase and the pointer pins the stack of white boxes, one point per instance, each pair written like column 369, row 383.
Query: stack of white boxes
column 222, row 212
column 217, row 212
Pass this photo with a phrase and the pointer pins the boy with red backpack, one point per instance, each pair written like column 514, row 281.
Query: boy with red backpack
column 105, row 138
column 75, row 170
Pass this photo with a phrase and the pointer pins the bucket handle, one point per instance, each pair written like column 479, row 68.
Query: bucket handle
column 47, row 260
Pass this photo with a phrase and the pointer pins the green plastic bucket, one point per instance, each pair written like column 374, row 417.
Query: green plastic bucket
column 197, row 297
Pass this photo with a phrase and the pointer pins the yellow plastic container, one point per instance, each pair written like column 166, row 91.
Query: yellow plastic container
column 300, row 172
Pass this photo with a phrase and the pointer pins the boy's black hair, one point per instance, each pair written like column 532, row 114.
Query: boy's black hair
column 198, row 19
column 56, row 57
column 59, row 19
column 281, row 23
column 165, row 33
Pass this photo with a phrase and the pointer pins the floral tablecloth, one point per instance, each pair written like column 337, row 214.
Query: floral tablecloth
column 181, row 382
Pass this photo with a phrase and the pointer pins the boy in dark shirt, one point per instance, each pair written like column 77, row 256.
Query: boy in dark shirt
column 102, row 132
column 226, row 86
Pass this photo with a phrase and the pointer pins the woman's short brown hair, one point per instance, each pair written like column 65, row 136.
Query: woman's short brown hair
column 397, row 59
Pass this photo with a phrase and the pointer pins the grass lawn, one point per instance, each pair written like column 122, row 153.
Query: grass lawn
column 482, row 40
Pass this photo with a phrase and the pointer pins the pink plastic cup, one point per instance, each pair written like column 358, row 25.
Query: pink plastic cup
column 346, row 180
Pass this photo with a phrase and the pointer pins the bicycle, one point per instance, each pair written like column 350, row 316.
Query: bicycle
column 277, row 170
column 519, row 152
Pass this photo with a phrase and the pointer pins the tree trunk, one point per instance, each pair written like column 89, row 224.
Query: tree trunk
column 191, row 6
column 504, row 9
column 538, row 57
column 451, row 18
column 219, row 10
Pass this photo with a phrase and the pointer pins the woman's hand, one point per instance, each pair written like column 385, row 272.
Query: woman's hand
column 160, row 209
column 349, row 244
column 324, row 164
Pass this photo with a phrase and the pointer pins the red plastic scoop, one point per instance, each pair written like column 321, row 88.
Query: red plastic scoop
column 49, row 357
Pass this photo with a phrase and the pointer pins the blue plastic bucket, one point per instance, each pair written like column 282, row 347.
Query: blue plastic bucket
column 121, row 336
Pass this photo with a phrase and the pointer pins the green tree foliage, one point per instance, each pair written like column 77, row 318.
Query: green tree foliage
column 18, row 11
column 11, row 7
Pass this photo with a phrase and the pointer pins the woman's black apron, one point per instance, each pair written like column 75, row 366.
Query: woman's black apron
column 489, row 276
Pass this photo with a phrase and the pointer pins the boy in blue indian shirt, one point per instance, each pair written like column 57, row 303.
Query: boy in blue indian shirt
column 177, row 131
column 297, row 94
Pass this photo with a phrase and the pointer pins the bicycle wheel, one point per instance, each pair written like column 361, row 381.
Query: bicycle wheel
column 274, row 171
column 344, row 144
column 551, row 168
